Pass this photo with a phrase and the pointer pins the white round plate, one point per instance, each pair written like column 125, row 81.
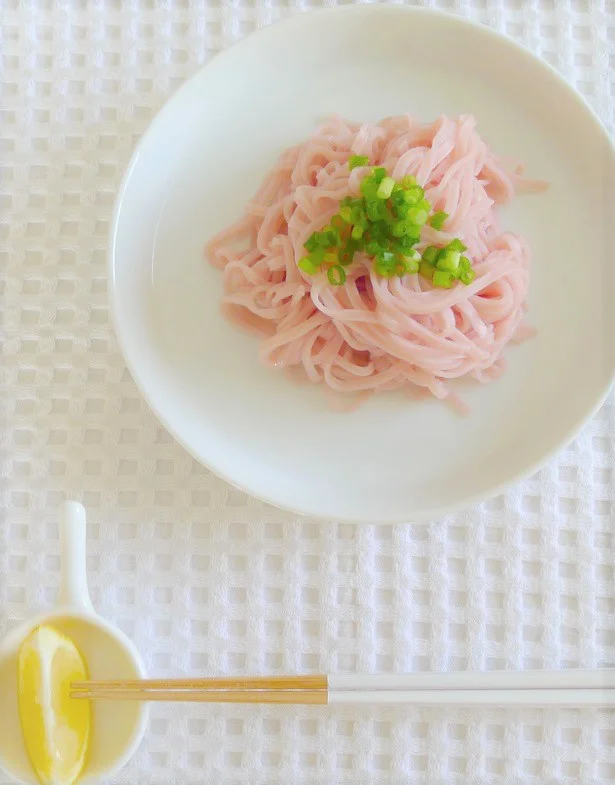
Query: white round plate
column 202, row 159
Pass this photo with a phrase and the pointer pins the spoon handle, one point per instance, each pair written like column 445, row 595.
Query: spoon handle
column 73, row 591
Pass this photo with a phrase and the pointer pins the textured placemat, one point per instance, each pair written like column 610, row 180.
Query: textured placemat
column 206, row 579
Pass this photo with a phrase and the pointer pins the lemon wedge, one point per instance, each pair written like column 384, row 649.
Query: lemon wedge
column 56, row 728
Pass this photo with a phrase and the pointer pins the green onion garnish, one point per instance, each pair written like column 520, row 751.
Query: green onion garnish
column 412, row 262
column 443, row 279
column 357, row 160
column 385, row 223
column 414, row 194
column 449, row 261
column 464, row 264
column 399, row 229
column 345, row 214
column 437, row 219
column 311, row 244
column 373, row 211
column 407, row 182
column 307, row 265
column 317, row 256
column 385, row 269
column 426, row 270
column 430, row 254
column 385, row 263
column 336, row 275
column 409, row 240
column 357, row 215
column 385, row 189
column 417, row 216
column 456, row 245
column 332, row 236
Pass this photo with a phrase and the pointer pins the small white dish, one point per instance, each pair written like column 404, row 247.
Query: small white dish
column 204, row 156
column 117, row 728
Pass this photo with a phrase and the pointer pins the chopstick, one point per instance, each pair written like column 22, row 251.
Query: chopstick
column 490, row 688
column 309, row 697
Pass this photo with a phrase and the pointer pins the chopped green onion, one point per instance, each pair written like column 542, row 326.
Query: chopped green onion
column 357, row 216
column 311, row 244
column 408, row 181
column 400, row 268
column 307, row 265
column 443, row 279
column 385, row 269
column 464, row 264
column 379, row 174
column 414, row 195
column 345, row 214
column 332, row 237
column 399, row 229
column 369, row 188
column 399, row 204
column 417, row 216
column 467, row 276
column 385, row 263
column 385, row 189
column 456, row 245
column 409, row 240
column 317, row 256
column 357, row 160
column 373, row 211
column 426, row 270
column 336, row 275
column 412, row 262
column 401, row 210
column 449, row 261
column 430, row 254
column 437, row 219
column 408, row 229
column 412, row 267
column 385, row 222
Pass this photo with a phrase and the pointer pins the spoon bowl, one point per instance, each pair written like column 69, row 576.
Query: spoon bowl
column 116, row 729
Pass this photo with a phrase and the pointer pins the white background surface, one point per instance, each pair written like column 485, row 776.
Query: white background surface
column 203, row 578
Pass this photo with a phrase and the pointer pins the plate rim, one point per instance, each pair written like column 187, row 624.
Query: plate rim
column 295, row 19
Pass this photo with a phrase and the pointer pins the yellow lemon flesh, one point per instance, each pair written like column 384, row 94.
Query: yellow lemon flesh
column 56, row 727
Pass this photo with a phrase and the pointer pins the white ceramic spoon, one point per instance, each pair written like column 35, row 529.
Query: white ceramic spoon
column 117, row 729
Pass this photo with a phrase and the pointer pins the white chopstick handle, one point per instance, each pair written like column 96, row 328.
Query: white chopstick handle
column 564, row 698
column 572, row 678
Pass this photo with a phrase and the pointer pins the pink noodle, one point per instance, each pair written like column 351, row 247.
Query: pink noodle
column 374, row 334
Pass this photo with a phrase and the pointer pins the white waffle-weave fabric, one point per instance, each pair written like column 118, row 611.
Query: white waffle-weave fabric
column 207, row 580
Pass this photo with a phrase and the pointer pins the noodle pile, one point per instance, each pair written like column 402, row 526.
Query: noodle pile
column 373, row 333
